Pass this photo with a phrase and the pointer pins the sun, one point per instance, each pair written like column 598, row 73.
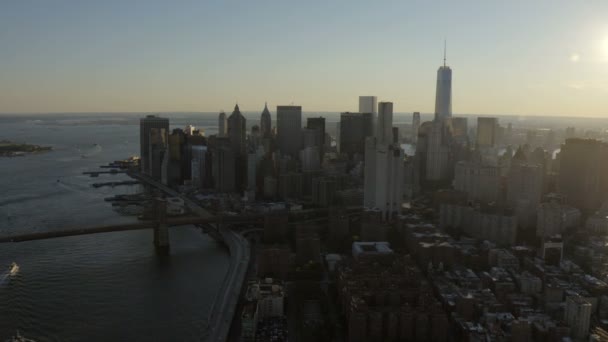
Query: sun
column 604, row 47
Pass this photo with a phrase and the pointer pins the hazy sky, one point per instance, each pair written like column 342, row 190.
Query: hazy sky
column 508, row 57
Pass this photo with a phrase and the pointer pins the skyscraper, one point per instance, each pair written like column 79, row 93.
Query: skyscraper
column 353, row 129
column 383, row 183
column 487, row 130
column 318, row 124
column 443, row 95
column 265, row 123
column 237, row 130
column 578, row 316
column 236, row 133
column 145, row 127
column 368, row 104
column 222, row 127
column 289, row 129
column 415, row 125
column 384, row 125
column 583, row 173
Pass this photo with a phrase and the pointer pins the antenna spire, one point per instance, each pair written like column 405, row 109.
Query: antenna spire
column 445, row 44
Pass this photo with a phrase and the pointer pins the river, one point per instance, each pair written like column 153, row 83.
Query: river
column 103, row 287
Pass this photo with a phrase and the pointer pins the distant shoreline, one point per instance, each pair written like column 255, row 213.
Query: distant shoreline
column 12, row 149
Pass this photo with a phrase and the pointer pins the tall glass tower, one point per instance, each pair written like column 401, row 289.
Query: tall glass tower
column 443, row 96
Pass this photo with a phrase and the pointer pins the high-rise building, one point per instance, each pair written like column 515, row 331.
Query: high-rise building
column 354, row 128
column 177, row 144
column 266, row 123
column 289, row 130
column 146, row 125
column 368, row 104
column 583, row 173
column 524, row 188
column 237, row 130
column 460, row 130
column 487, row 132
column 443, row 95
column 222, row 127
column 223, row 165
column 318, row 124
column 384, row 125
column 415, row 125
column 578, row 316
column 199, row 165
column 438, row 152
column 480, row 182
column 383, row 183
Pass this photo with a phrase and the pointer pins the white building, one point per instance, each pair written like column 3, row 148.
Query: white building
column 383, row 188
column 492, row 225
column 554, row 218
column 578, row 316
column 480, row 182
column 269, row 296
column 222, row 127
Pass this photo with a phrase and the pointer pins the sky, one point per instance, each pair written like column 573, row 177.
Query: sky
column 508, row 57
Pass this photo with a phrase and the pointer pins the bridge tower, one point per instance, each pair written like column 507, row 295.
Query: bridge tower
column 161, row 231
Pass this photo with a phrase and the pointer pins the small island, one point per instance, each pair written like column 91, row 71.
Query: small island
column 12, row 149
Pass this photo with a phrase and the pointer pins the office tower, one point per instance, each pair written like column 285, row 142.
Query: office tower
column 578, row 316
column 222, row 128
column 353, row 131
column 487, row 131
column 384, row 125
column 583, row 173
column 460, row 130
column 189, row 130
column 145, row 126
column 443, row 95
column 289, row 130
column 524, row 188
column 266, row 123
column 383, row 183
column 255, row 137
column 237, row 128
column 177, row 145
column 309, row 158
column 254, row 158
column 480, row 182
column 223, row 165
column 368, row 104
column 199, row 165
column 158, row 162
column 309, row 137
column 318, row 124
column 415, row 125
column 438, row 138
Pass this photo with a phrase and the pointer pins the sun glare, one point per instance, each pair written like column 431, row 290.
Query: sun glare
column 604, row 47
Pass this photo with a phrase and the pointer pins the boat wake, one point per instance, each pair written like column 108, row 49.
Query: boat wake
column 12, row 271
column 19, row 338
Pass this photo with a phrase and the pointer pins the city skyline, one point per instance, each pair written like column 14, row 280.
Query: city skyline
column 196, row 62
